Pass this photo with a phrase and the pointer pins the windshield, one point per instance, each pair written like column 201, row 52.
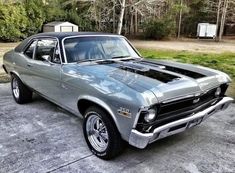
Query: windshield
column 80, row 49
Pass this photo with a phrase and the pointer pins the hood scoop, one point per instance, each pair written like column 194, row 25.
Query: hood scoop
column 144, row 71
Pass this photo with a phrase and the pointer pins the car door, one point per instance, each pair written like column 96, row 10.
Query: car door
column 45, row 68
column 26, row 60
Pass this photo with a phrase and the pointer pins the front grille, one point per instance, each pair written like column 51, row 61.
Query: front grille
column 183, row 108
column 185, row 104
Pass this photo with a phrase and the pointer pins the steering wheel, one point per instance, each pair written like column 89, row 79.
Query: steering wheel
column 96, row 53
column 117, row 52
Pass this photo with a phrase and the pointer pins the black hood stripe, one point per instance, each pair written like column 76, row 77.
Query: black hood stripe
column 134, row 67
column 192, row 74
column 160, row 76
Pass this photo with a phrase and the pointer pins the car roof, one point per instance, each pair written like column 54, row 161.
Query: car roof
column 59, row 36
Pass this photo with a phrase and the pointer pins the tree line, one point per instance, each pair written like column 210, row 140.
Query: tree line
column 155, row 19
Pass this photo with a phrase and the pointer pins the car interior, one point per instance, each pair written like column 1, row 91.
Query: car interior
column 83, row 51
column 48, row 53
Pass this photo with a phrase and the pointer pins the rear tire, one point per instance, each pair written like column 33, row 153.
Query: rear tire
column 20, row 92
column 101, row 134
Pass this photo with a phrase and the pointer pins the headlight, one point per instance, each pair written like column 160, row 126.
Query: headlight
column 150, row 115
column 218, row 92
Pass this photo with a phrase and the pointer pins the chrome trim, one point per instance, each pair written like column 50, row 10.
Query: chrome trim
column 138, row 115
column 190, row 95
column 102, row 104
column 141, row 140
column 101, row 35
column 179, row 98
column 133, row 48
column 37, row 38
column 96, row 131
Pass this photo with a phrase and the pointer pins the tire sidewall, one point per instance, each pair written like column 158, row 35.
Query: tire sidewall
column 108, row 126
column 17, row 80
column 25, row 94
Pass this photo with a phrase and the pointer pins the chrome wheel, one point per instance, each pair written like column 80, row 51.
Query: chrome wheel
column 97, row 132
column 15, row 88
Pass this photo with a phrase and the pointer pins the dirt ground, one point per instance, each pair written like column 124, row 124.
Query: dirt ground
column 205, row 46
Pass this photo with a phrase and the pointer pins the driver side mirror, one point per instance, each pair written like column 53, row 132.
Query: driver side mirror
column 56, row 58
column 47, row 58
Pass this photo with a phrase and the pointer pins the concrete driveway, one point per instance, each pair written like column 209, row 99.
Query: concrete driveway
column 41, row 137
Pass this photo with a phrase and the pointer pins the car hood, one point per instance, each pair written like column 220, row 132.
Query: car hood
column 166, row 80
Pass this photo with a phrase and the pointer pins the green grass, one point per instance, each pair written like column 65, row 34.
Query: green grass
column 224, row 61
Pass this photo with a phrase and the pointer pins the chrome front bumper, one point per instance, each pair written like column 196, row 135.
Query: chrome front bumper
column 141, row 140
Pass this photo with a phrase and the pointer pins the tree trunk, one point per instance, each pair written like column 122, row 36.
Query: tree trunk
column 96, row 19
column 120, row 20
column 99, row 28
column 136, row 22
column 217, row 19
column 223, row 18
column 180, row 18
column 126, row 23
column 114, row 16
column 131, row 25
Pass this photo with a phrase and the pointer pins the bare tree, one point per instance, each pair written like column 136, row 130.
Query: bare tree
column 218, row 17
column 120, row 19
column 223, row 18
column 180, row 18
column 223, row 8
column 114, row 16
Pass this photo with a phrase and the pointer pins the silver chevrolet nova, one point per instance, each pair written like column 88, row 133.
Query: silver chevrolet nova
column 120, row 95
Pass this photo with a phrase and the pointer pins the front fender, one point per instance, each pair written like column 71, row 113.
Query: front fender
column 101, row 104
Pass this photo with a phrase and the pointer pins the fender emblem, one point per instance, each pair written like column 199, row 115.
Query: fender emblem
column 124, row 112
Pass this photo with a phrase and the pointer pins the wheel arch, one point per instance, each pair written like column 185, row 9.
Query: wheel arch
column 4, row 68
column 15, row 73
column 86, row 101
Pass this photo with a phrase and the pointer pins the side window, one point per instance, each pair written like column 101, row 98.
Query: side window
column 47, row 50
column 30, row 50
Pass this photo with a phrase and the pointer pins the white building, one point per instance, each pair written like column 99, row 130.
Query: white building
column 60, row 27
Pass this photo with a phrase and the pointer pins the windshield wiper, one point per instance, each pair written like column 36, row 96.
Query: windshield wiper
column 88, row 60
column 117, row 57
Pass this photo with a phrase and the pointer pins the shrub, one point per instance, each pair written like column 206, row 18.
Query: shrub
column 13, row 22
column 54, row 12
column 20, row 20
column 36, row 16
column 159, row 28
column 80, row 20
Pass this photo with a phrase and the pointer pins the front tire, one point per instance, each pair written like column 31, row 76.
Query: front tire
column 20, row 92
column 101, row 134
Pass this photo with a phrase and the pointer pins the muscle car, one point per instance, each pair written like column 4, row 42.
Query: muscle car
column 120, row 95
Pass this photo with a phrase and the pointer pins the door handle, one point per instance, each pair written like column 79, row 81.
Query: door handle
column 63, row 86
column 29, row 65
